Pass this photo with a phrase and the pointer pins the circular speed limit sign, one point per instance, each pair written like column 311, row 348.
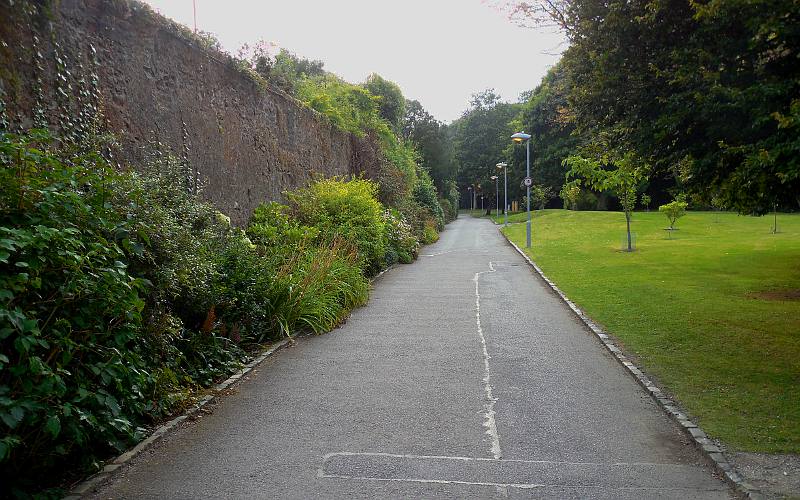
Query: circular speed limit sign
column 528, row 182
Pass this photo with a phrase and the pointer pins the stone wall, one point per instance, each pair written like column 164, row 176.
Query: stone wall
column 158, row 83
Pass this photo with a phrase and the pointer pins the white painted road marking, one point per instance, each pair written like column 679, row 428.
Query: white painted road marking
column 523, row 474
column 488, row 408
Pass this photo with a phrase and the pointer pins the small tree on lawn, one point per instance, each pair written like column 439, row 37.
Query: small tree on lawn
column 570, row 193
column 674, row 211
column 646, row 202
column 540, row 195
column 719, row 204
column 621, row 177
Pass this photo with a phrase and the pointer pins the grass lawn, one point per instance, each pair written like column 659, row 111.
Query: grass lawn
column 713, row 313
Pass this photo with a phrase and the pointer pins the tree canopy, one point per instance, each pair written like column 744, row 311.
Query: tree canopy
column 706, row 91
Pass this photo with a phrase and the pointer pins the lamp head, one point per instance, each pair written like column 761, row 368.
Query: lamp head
column 502, row 165
column 494, row 177
column 520, row 136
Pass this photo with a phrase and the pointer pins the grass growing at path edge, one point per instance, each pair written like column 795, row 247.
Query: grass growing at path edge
column 713, row 313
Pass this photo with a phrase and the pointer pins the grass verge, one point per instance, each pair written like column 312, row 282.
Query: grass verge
column 711, row 310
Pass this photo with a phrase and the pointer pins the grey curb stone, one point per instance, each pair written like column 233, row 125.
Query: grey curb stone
column 93, row 482
column 697, row 432
column 670, row 407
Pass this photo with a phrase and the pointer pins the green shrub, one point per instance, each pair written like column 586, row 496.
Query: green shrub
column 347, row 210
column 587, row 200
column 74, row 382
column 273, row 227
column 316, row 281
column 107, row 306
column 449, row 211
column 402, row 244
column 419, row 218
column 424, row 193
column 317, row 288
column 429, row 233
column 188, row 253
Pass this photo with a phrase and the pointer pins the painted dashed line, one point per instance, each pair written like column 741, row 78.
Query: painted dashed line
column 488, row 407
column 471, row 250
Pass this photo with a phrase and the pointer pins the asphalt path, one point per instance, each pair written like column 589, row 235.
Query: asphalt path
column 464, row 377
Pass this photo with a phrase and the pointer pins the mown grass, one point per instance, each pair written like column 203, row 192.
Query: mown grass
column 712, row 313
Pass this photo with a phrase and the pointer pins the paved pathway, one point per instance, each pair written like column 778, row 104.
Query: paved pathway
column 464, row 377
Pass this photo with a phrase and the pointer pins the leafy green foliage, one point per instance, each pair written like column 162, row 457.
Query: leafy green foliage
column 356, row 110
column 73, row 378
column 349, row 107
column 120, row 294
column 402, row 244
column 311, row 283
column 448, row 209
column 646, row 200
column 284, row 70
column 480, row 138
column 674, row 210
column 540, row 195
column 623, row 181
column 432, row 140
column 391, row 103
column 425, row 195
column 346, row 210
column 569, row 195
column 706, row 91
column 545, row 115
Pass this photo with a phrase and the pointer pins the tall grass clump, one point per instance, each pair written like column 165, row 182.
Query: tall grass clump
column 317, row 281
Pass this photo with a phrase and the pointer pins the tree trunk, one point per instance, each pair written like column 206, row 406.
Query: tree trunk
column 628, row 223
column 775, row 214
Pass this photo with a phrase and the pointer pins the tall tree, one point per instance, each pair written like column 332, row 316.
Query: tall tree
column 433, row 143
column 480, row 138
column 391, row 103
column 545, row 115
column 707, row 91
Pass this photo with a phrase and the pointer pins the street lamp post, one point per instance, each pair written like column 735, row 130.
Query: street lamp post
column 518, row 138
column 496, row 194
column 502, row 166
column 471, row 199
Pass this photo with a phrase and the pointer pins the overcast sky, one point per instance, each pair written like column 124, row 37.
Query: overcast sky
column 439, row 52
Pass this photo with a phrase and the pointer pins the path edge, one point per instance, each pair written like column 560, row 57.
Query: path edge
column 692, row 430
column 98, row 479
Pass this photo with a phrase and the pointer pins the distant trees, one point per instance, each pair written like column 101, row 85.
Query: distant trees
column 432, row 140
column 480, row 138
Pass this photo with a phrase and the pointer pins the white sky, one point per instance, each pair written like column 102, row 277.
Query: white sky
column 439, row 52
